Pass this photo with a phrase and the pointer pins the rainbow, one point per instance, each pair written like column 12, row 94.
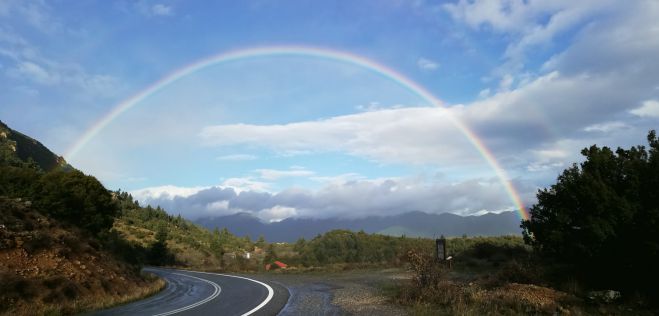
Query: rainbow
column 305, row 51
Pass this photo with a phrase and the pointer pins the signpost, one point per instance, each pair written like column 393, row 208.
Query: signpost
column 442, row 255
column 440, row 245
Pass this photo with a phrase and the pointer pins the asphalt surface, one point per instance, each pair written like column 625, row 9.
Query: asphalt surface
column 201, row 293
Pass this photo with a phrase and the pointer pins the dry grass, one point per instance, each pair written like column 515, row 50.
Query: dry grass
column 434, row 291
column 97, row 301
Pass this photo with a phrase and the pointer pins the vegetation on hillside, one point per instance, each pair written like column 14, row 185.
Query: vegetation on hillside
column 596, row 228
column 54, row 229
column 54, row 267
column 173, row 240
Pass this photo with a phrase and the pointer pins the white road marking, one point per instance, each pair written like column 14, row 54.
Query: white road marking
column 271, row 293
column 217, row 291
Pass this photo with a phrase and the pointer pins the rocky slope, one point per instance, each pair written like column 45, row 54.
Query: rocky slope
column 47, row 266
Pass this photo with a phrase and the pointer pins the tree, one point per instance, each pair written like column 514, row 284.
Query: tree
column 260, row 242
column 158, row 252
column 601, row 218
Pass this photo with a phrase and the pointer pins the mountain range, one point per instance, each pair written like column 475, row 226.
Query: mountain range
column 411, row 224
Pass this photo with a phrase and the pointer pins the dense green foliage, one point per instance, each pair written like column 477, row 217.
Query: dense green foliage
column 343, row 246
column 76, row 198
column 601, row 219
column 29, row 171
column 70, row 196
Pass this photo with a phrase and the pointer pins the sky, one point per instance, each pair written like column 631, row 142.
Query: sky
column 303, row 135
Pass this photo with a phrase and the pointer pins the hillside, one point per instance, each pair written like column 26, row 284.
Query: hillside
column 187, row 244
column 51, row 266
column 17, row 148
column 58, row 255
column 412, row 224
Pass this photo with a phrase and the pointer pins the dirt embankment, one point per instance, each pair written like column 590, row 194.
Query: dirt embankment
column 47, row 266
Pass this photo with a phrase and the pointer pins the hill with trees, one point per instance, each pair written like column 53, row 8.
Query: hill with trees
column 54, row 229
column 173, row 240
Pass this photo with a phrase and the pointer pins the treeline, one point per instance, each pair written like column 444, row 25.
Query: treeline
column 344, row 246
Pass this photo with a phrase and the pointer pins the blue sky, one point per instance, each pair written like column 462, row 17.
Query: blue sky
column 281, row 136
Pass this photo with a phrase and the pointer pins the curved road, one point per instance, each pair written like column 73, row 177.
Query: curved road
column 203, row 293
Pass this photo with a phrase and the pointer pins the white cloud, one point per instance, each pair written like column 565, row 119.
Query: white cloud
column 33, row 72
column 36, row 14
column 161, row 10
column 606, row 127
column 650, row 108
column 167, row 192
column 376, row 106
column 427, row 64
column 339, row 179
column 245, row 184
column 222, row 205
column 351, row 199
column 529, row 23
column 506, row 82
column 412, row 135
column 27, row 64
column 237, row 157
column 272, row 174
column 276, row 213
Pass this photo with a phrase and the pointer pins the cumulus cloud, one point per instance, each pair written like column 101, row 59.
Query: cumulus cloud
column 650, row 108
column 165, row 192
column 353, row 198
column 413, row 135
column 531, row 22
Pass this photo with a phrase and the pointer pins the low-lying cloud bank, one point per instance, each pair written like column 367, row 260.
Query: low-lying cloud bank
column 349, row 199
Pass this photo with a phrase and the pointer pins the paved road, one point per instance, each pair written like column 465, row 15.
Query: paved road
column 201, row 293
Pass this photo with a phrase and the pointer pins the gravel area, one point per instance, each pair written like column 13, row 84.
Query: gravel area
column 347, row 293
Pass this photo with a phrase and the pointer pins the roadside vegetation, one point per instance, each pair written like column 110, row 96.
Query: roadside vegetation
column 590, row 247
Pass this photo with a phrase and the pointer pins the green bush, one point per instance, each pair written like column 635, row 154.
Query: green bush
column 601, row 218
